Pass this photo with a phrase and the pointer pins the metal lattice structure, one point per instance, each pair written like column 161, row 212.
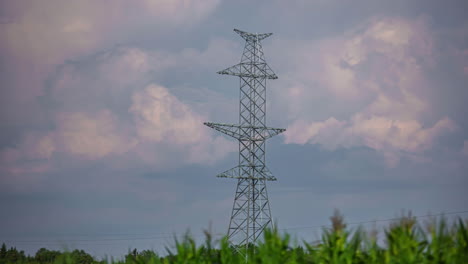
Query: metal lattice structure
column 251, row 209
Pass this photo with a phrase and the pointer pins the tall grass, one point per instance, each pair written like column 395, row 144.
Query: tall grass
column 404, row 241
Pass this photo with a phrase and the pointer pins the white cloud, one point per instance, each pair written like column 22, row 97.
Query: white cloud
column 161, row 124
column 38, row 37
column 327, row 131
column 393, row 138
column 160, row 116
column 35, row 146
column 163, row 132
column 22, row 167
column 373, row 78
column 76, row 26
column 103, row 109
column 92, row 136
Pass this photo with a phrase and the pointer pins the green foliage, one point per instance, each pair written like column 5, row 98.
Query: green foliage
column 81, row 257
column 3, row 251
column 44, row 255
column 338, row 245
column 274, row 249
column 146, row 256
column 406, row 242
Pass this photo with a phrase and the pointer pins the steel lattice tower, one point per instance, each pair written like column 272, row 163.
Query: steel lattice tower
column 251, row 209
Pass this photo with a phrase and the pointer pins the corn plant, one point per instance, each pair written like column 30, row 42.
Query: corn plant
column 406, row 243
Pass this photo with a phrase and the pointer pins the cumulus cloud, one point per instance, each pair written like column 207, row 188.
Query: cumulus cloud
column 393, row 138
column 78, row 65
column 110, row 77
column 376, row 79
column 110, row 106
column 79, row 134
column 92, row 136
column 22, row 167
column 48, row 35
column 34, row 147
column 35, row 38
column 163, row 132
column 160, row 116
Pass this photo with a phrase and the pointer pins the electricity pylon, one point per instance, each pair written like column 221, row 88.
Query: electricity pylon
column 251, row 209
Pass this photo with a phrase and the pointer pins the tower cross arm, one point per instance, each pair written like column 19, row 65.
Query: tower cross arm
column 242, row 132
column 228, row 129
column 251, row 36
column 262, row 70
column 263, row 173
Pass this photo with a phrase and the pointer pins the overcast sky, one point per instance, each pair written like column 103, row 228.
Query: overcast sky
column 102, row 145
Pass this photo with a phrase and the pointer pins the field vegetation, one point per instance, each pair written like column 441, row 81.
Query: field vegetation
column 404, row 241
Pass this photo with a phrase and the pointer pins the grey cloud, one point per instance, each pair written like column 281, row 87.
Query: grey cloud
column 378, row 74
column 94, row 75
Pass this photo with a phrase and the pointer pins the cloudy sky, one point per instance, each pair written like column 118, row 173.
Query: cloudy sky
column 102, row 145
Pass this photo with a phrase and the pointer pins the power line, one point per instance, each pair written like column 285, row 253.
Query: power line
column 58, row 241
column 378, row 220
column 160, row 236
